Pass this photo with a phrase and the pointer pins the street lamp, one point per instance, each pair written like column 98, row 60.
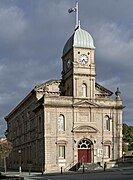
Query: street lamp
column 19, row 161
column 123, row 155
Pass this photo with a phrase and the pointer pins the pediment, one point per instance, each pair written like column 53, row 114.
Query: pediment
column 61, row 141
column 102, row 91
column 85, row 128
column 85, row 103
column 107, row 142
column 49, row 87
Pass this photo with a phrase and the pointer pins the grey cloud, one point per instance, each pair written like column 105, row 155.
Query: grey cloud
column 32, row 36
column 115, row 43
column 12, row 23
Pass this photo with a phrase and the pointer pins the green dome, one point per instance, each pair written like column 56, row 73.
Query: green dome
column 80, row 39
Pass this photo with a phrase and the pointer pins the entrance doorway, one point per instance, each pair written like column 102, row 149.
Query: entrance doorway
column 84, row 151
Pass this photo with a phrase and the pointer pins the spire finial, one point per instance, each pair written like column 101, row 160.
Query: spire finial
column 79, row 25
column 118, row 94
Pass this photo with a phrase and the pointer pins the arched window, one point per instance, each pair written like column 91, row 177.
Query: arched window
column 107, row 123
column 68, row 90
column 84, row 143
column 61, row 123
column 84, row 90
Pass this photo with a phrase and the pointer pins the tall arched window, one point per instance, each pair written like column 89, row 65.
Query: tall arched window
column 61, row 123
column 107, row 123
column 84, row 90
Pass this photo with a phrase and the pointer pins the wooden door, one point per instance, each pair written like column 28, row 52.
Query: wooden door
column 84, row 155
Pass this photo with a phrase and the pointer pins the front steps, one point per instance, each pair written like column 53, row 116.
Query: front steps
column 90, row 166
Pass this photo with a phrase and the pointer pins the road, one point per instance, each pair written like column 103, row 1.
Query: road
column 114, row 175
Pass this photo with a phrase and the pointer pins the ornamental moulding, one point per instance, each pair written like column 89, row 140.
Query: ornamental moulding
column 84, row 128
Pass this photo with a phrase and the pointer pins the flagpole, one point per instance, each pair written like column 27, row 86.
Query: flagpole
column 77, row 14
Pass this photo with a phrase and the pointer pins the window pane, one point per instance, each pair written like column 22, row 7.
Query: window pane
column 107, row 123
column 62, row 151
column 61, row 123
column 84, row 90
column 107, row 151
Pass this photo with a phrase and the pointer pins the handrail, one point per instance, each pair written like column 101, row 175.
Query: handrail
column 70, row 165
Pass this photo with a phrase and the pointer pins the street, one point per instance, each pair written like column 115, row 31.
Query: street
column 114, row 175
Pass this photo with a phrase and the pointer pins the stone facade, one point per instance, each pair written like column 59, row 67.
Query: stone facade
column 63, row 122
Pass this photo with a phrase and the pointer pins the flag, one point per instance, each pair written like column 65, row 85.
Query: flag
column 74, row 9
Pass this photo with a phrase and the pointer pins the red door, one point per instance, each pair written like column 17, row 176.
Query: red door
column 84, row 155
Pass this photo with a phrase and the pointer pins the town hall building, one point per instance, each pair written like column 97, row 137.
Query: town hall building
column 72, row 120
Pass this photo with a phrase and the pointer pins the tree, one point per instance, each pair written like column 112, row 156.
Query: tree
column 5, row 149
column 124, row 147
column 127, row 137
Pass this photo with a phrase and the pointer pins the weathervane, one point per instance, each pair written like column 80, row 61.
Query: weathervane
column 76, row 10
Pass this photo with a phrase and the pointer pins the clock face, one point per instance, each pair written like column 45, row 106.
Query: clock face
column 68, row 63
column 83, row 59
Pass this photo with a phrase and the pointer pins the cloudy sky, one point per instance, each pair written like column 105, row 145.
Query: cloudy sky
column 32, row 36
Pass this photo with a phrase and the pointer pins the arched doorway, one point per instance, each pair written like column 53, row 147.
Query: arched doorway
column 84, row 151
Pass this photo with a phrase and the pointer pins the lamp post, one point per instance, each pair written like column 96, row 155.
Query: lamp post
column 123, row 155
column 19, row 161
column 4, row 162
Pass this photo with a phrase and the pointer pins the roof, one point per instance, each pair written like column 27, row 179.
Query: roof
column 32, row 92
column 79, row 39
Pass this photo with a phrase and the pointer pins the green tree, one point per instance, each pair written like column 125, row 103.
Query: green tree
column 5, row 149
column 124, row 147
column 127, row 136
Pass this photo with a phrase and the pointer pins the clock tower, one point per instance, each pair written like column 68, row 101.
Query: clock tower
column 78, row 74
